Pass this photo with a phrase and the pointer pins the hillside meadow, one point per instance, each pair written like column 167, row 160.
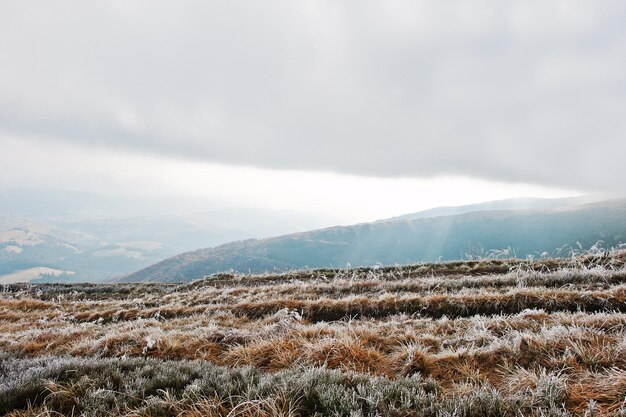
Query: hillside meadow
column 488, row 337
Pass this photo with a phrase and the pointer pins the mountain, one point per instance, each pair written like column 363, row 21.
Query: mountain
column 52, row 235
column 33, row 250
column 409, row 240
column 507, row 204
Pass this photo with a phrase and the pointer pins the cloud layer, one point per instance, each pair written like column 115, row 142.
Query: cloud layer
column 522, row 91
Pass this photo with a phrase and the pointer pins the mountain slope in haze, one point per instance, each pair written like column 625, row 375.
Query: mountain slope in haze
column 54, row 235
column 506, row 204
column 32, row 250
column 527, row 232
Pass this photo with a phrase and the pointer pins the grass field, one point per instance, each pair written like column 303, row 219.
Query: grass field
column 477, row 338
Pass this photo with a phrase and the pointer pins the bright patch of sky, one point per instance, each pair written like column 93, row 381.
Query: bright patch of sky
column 347, row 198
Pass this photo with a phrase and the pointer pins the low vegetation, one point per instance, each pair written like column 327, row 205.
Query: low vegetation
column 496, row 337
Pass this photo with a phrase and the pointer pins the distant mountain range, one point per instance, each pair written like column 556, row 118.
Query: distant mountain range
column 508, row 204
column 526, row 226
column 48, row 235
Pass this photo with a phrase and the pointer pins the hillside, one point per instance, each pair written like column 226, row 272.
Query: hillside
column 501, row 338
column 36, row 250
column 71, row 236
column 403, row 241
column 498, row 205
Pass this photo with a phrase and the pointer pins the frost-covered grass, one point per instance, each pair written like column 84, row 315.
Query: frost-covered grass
column 149, row 387
column 490, row 337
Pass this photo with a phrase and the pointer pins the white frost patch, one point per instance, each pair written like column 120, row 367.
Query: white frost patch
column 29, row 274
column 13, row 249
column 118, row 252
column 71, row 247
column 150, row 344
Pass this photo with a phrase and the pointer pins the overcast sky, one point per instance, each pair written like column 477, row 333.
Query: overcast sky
column 328, row 103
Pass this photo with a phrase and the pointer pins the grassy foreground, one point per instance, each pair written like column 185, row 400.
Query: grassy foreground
column 477, row 338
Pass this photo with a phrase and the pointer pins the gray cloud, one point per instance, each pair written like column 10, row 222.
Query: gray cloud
column 529, row 90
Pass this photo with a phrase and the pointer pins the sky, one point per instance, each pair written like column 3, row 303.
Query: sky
column 367, row 109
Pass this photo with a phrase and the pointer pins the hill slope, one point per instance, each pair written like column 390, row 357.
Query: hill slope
column 497, row 205
column 498, row 338
column 61, row 236
column 527, row 232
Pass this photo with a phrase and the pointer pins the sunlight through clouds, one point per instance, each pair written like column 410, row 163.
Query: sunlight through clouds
column 349, row 197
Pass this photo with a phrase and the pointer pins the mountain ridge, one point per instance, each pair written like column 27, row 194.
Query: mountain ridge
column 402, row 241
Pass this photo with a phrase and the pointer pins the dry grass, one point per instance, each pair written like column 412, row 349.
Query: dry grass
column 548, row 335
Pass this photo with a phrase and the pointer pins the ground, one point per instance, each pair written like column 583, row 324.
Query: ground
column 478, row 338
